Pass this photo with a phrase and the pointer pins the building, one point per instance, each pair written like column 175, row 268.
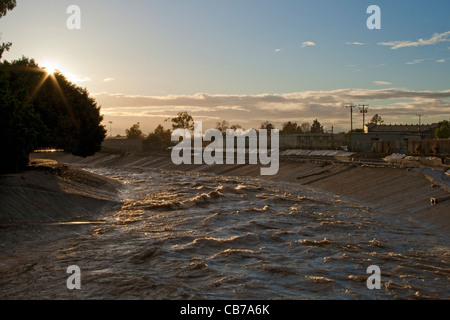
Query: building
column 391, row 138
column 421, row 131
column 376, row 138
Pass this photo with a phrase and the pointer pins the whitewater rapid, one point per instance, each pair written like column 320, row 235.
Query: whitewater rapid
column 190, row 235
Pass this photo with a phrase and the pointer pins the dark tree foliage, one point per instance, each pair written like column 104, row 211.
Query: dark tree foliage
column 305, row 127
column 316, row 127
column 267, row 125
column 159, row 139
column 134, row 132
column 376, row 119
column 223, row 126
column 19, row 127
column 443, row 130
column 4, row 47
column 45, row 111
column 6, row 5
column 182, row 121
column 291, row 128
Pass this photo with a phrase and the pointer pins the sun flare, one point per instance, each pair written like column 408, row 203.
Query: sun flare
column 50, row 68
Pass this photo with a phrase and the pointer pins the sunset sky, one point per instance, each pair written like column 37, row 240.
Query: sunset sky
column 244, row 61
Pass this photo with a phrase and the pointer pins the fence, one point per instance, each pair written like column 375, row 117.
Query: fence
column 430, row 146
column 123, row 145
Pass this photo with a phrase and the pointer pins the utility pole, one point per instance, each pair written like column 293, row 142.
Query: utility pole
column 350, row 106
column 420, row 124
column 364, row 108
column 332, row 137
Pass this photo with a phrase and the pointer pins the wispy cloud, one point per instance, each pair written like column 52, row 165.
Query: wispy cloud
column 355, row 43
column 327, row 106
column 304, row 98
column 76, row 79
column 415, row 61
column 308, row 44
column 435, row 38
column 278, row 50
column 382, row 83
column 108, row 79
column 441, row 61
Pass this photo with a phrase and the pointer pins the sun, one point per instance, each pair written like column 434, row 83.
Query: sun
column 50, row 68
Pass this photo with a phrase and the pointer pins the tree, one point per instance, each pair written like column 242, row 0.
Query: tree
column 71, row 118
column 19, row 126
column 6, row 5
column 290, row 128
column 222, row 126
column 267, row 125
column 376, row 119
column 159, row 138
column 42, row 110
column 316, row 127
column 235, row 127
column 443, row 130
column 305, row 127
column 3, row 47
column 182, row 121
column 134, row 132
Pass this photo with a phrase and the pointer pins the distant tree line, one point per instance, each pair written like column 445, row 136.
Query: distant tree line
column 160, row 138
column 287, row 128
column 293, row 128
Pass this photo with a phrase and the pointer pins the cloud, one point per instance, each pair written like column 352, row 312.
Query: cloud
column 441, row 61
column 415, row 61
column 382, row 83
column 278, row 50
column 355, row 43
column 327, row 106
column 108, row 79
column 76, row 79
column 308, row 44
column 435, row 38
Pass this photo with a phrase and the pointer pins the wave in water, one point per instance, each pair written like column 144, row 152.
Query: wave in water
column 197, row 236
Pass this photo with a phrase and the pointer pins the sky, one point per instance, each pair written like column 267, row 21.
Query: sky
column 244, row 61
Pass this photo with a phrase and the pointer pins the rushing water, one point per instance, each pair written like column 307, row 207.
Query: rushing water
column 190, row 235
